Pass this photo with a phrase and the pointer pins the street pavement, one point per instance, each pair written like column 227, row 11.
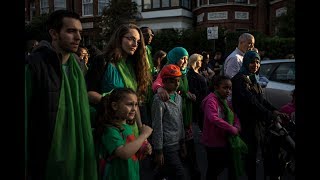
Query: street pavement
column 202, row 161
column 147, row 168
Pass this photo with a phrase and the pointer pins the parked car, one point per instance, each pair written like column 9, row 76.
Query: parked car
column 279, row 80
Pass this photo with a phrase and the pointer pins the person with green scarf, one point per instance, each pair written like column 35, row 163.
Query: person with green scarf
column 179, row 56
column 145, row 107
column 59, row 142
column 220, row 134
column 255, row 113
column 125, row 66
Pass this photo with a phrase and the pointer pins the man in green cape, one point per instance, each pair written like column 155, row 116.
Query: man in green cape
column 59, row 142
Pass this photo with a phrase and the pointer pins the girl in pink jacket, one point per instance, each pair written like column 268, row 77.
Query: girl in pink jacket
column 221, row 132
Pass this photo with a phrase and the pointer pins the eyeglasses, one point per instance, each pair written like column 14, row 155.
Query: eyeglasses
column 133, row 39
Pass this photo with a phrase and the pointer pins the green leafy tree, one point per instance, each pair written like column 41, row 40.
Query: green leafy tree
column 116, row 13
column 36, row 29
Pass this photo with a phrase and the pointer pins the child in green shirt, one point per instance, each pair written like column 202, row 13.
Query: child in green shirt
column 119, row 150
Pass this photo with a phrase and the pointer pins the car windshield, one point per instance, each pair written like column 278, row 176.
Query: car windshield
column 283, row 72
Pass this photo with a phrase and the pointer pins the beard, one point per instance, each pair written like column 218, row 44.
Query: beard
column 66, row 47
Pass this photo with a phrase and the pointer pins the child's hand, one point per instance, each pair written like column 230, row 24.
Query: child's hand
column 163, row 94
column 145, row 149
column 146, row 130
column 148, row 149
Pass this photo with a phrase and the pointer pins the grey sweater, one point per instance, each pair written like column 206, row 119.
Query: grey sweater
column 167, row 123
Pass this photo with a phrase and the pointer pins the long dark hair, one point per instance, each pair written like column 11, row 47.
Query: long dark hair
column 114, row 52
column 106, row 114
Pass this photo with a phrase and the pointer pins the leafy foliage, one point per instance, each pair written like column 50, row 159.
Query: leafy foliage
column 116, row 13
column 195, row 41
column 36, row 29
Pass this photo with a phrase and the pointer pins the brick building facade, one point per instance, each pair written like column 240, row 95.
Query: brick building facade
column 233, row 15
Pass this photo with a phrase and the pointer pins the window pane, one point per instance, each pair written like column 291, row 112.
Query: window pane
column 156, row 4
column 101, row 5
column 165, row 3
column 186, row 4
column 147, row 4
column 44, row 5
column 87, row 9
column 265, row 69
column 174, row 3
column 59, row 4
column 284, row 73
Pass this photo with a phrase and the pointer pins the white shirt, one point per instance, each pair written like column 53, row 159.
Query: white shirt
column 233, row 63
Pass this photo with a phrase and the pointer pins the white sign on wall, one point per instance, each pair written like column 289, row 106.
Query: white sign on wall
column 241, row 15
column 212, row 32
column 87, row 25
column 218, row 15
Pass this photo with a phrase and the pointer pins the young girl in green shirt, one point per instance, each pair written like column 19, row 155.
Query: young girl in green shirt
column 119, row 150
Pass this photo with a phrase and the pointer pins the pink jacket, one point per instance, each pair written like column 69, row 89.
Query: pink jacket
column 157, row 83
column 215, row 129
column 288, row 108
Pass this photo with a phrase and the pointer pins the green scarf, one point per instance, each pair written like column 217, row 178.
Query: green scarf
column 186, row 103
column 238, row 147
column 72, row 155
column 149, row 96
column 150, row 59
column 129, row 80
column 127, row 72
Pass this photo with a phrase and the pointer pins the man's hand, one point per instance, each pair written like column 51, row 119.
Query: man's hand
column 191, row 96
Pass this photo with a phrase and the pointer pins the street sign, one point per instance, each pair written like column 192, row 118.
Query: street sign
column 212, row 32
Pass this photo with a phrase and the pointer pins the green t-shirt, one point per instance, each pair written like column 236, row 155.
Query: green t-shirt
column 119, row 168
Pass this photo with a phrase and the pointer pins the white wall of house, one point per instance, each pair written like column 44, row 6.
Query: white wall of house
column 165, row 19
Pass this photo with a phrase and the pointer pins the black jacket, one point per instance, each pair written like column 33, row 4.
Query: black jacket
column 46, row 76
column 197, row 85
column 250, row 106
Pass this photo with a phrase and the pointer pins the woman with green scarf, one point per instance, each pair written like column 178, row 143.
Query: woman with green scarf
column 220, row 133
column 254, row 111
column 125, row 66
column 179, row 56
